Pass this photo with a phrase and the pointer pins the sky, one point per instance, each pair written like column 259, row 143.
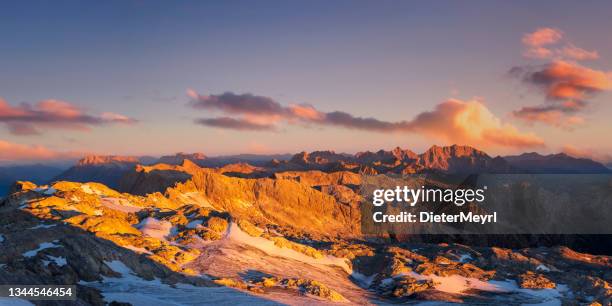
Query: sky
column 228, row 77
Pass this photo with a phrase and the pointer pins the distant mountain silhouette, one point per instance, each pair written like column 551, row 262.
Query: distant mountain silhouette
column 99, row 168
column 555, row 163
column 448, row 159
column 38, row 173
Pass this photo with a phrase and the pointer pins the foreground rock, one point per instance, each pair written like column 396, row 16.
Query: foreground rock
column 286, row 240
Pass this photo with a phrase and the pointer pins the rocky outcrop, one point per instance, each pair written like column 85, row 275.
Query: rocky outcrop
column 267, row 237
column 281, row 200
column 458, row 159
column 102, row 169
column 179, row 158
column 319, row 178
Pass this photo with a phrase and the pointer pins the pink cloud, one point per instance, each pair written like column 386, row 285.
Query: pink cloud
column 26, row 119
column 542, row 37
column 573, row 52
column 544, row 44
column 15, row 152
column 549, row 115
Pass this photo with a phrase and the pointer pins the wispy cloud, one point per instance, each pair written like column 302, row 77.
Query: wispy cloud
column 27, row 119
column 14, row 152
column 550, row 43
column 234, row 123
column 467, row 122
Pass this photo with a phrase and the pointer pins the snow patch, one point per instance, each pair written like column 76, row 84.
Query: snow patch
column 194, row 224
column 44, row 189
column 60, row 261
column 156, row 228
column 89, row 190
column 267, row 246
column 465, row 258
column 137, row 249
column 120, row 205
column 363, row 280
column 542, row 268
column 24, row 204
column 42, row 246
column 546, row 296
column 50, row 191
column 455, row 283
column 43, row 226
column 132, row 289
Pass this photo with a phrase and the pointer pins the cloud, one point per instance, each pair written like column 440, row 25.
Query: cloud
column 14, row 152
column 550, row 43
column 548, row 114
column 116, row 118
column 567, row 86
column 28, row 119
column 234, row 124
column 562, row 80
column 542, row 37
column 577, row 53
column 237, row 104
column 453, row 120
column 471, row 122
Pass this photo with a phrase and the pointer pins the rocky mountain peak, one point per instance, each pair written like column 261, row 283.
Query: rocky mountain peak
column 178, row 158
column 106, row 159
column 317, row 157
column 454, row 158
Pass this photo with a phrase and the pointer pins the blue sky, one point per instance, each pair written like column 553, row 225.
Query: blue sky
column 385, row 59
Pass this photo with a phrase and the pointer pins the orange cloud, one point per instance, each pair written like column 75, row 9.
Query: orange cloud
column 566, row 80
column 542, row 37
column 306, row 112
column 25, row 119
column 538, row 45
column 14, row 152
column 566, row 86
column 454, row 120
column 471, row 122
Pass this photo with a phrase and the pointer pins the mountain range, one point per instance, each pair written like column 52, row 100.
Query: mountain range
column 272, row 230
column 449, row 159
column 284, row 231
column 37, row 173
